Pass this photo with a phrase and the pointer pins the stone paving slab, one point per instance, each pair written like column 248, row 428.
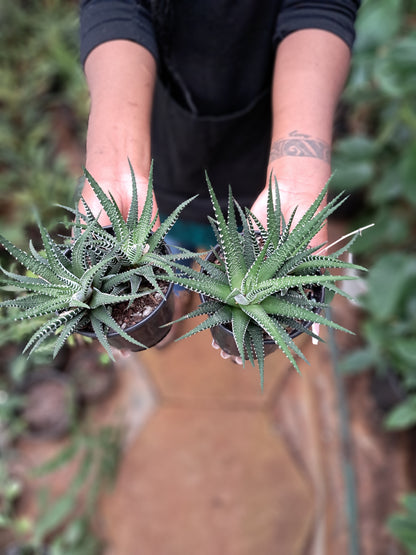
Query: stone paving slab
column 208, row 482
column 131, row 404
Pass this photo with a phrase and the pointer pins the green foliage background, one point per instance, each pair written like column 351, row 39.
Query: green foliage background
column 41, row 83
column 376, row 161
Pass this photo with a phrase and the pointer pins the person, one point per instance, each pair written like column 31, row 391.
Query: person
column 240, row 89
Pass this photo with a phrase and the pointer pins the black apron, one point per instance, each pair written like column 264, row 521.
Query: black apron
column 234, row 149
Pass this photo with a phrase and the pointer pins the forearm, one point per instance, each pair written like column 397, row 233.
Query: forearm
column 310, row 71
column 120, row 76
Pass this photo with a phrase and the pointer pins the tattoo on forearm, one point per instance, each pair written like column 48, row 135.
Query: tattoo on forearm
column 298, row 144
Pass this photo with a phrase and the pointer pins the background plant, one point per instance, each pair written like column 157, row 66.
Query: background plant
column 66, row 524
column 11, row 487
column 43, row 103
column 403, row 524
column 376, row 162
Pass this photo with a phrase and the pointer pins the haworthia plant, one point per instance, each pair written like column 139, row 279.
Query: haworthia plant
column 258, row 279
column 137, row 246
column 74, row 286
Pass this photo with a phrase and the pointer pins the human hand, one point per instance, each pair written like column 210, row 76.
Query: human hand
column 290, row 198
column 226, row 356
column 120, row 188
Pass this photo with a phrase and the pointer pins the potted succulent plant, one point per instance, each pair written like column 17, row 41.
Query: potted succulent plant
column 262, row 286
column 96, row 283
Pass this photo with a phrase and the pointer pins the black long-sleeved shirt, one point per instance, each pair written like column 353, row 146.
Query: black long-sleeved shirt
column 212, row 106
column 217, row 55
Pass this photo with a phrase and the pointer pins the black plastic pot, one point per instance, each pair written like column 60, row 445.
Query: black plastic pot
column 224, row 337
column 147, row 331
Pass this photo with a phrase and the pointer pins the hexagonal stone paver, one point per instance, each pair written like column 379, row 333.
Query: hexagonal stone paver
column 208, row 483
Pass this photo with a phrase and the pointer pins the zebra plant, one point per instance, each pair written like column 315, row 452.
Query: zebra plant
column 74, row 287
column 257, row 279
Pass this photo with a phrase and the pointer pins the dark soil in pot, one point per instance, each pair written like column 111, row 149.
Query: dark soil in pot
column 50, row 404
column 142, row 320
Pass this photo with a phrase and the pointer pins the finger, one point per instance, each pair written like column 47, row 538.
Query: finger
column 226, row 356
column 120, row 354
column 215, row 345
column 315, row 330
column 237, row 360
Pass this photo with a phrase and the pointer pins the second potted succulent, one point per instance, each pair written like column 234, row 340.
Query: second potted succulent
column 260, row 287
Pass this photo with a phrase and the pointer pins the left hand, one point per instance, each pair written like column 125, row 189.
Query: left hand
column 290, row 198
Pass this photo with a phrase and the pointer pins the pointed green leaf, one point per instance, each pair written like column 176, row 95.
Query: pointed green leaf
column 240, row 321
